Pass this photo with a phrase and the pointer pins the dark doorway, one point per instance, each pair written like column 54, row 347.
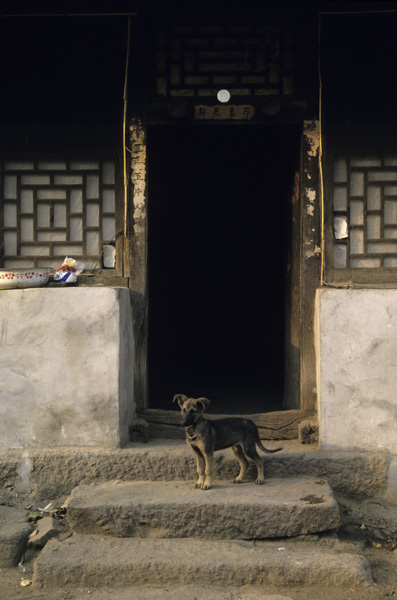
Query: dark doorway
column 218, row 242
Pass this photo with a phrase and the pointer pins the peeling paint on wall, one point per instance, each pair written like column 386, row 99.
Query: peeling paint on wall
column 313, row 252
column 311, row 134
column 311, row 130
column 138, row 173
column 310, row 194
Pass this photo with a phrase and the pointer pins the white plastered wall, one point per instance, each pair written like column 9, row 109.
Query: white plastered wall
column 66, row 367
column 356, row 345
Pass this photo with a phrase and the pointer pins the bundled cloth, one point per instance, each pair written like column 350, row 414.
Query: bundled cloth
column 69, row 271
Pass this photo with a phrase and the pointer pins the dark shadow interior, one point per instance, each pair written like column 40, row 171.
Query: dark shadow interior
column 218, row 242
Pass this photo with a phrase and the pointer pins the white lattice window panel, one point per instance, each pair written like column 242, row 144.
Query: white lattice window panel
column 56, row 208
column 365, row 212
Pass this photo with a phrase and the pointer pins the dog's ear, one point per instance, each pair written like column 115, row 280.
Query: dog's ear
column 181, row 398
column 204, row 402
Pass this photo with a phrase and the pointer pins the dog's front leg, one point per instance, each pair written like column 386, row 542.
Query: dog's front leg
column 200, row 468
column 209, row 466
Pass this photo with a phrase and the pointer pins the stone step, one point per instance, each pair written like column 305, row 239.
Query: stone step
column 182, row 592
column 52, row 473
column 14, row 533
column 281, row 507
column 86, row 560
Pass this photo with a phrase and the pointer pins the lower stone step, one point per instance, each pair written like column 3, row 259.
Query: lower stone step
column 85, row 560
column 14, row 533
column 279, row 508
column 183, row 592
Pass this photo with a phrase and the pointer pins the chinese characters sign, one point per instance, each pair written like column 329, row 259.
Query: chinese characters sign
column 243, row 112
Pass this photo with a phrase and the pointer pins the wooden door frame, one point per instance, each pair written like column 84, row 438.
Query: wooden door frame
column 280, row 424
column 310, row 259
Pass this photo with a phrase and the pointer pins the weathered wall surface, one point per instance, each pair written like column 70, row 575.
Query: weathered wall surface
column 310, row 259
column 65, row 367
column 356, row 334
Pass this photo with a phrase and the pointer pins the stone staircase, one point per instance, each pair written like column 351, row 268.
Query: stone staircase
column 282, row 508
column 145, row 533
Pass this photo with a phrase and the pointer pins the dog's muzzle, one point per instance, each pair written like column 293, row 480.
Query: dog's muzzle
column 189, row 420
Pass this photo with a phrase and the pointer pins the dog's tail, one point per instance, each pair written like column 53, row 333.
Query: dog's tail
column 262, row 447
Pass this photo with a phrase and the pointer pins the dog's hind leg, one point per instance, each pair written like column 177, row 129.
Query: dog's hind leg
column 243, row 461
column 251, row 452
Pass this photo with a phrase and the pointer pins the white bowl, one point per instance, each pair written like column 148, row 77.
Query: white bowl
column 24, row 278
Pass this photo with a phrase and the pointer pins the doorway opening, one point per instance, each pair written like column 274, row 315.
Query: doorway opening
column 219, row 236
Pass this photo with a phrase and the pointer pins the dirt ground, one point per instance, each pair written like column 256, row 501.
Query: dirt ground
column 382, row 558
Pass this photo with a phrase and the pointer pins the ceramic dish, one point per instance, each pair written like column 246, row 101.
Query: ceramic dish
column 24, row 278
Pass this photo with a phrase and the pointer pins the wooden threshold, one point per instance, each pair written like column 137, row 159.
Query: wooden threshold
column 279, row 425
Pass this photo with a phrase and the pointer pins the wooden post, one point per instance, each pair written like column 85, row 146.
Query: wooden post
column 310, row 259
column 135, row 257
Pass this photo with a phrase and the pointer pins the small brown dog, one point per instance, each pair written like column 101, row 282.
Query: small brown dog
column 207, row 436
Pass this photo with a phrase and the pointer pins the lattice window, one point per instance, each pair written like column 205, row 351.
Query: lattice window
column 56, row 208
column 365, row 212
column 248, row 61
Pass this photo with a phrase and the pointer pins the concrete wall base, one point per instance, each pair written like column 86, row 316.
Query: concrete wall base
column 66, row 367
column 356, row 338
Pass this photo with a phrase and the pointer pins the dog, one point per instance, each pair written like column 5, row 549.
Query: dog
column 207, row 436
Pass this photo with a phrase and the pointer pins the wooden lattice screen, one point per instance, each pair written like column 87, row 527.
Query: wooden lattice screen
column 365, row 212
column 56, row 208
column 251, row 61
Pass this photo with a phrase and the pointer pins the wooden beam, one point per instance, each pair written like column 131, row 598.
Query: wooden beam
column 280, row 425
